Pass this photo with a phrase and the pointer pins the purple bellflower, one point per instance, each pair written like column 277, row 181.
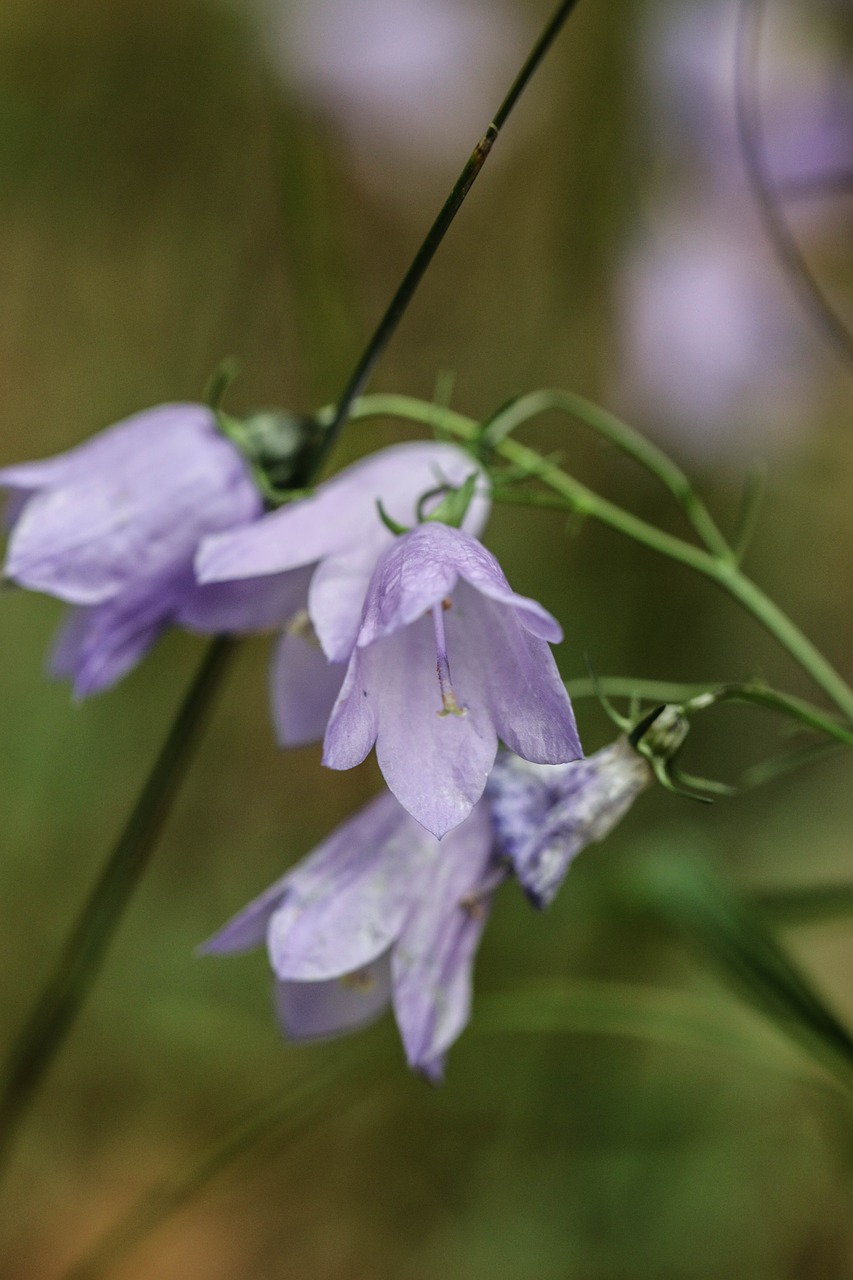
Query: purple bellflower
column 380, row 913
column 544, row 815
column 333, row 540
column 111, row 527
column 438, row 603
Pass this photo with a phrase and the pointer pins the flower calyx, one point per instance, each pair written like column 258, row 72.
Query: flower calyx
column 451, row 509
column 278, row 446
column 659, row 737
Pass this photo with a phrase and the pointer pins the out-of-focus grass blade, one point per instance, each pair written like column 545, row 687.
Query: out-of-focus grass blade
column 680, row 1018
column 769, row 770
column 690, row 897
column 283, row 1118
column 807, row 905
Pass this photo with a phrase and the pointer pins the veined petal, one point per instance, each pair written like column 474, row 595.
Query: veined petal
column 516, row 682
column 244, row 606
column 171, row 478
column 336, row 599
column 423, row 566
column 97, row 646
column 432, row 961
column 65, row 656
column 248, row 928
column 303, row 689
column 582, row 804
column 351, row 731
column 436, row 765
column 521, row 795
column 109, row 451
column 341, row 514
column 318, row 1010
column 345, row 904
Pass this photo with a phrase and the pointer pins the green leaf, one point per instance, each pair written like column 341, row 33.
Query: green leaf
column 689, row 896
column 806, row 905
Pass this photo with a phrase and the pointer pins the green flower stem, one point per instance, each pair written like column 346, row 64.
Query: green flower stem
column 336, row 418
column 584, row 502
column 51, row 1019
column 628, row 440
column 702, row 696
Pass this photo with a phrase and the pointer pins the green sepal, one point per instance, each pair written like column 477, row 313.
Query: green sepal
column 453, row 507
column 390, row 523
column 278, row 447
column 219, row 382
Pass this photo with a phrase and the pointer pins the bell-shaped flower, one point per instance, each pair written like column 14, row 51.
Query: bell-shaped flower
column 379, row 914
column 335, row 538
column 112, row 527
column 448, row 659
column 544, row 815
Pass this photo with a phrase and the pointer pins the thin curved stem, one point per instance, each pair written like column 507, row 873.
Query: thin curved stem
column 54, row 1013
column 626, row 438
column 398, row 305
column 776, row 227
column 704, row 696
column 583, row 501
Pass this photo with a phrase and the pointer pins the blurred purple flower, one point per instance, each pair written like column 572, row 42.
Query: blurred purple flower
column 438, row 599
column 714, row 344
column 405, row 79
column 378, row 914
column 711, row 337
column 544, row 815
column 805, row 96
column 112, row 526
column 334, row 540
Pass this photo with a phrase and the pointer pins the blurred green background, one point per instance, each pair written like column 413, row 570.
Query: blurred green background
column 184, row 180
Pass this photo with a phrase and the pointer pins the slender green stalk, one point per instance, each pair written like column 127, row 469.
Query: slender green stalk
column 628, row 440
column 808, row 904
column 398, row 305
column 583, row 501
column 51, row 1019
column 702, row 696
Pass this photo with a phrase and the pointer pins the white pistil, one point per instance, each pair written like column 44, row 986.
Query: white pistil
column 449, row 705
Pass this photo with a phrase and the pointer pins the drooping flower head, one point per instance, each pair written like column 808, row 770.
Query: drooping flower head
column 379, row 914
column 544, row 815
column 448, row 659
column 383, row 914
column 335, row 538
column 112, row 526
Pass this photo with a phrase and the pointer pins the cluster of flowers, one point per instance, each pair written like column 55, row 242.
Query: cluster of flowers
column 159, row 521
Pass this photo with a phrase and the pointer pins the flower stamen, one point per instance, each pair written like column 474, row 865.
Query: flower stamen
column 361, row 980
column 449, row 704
